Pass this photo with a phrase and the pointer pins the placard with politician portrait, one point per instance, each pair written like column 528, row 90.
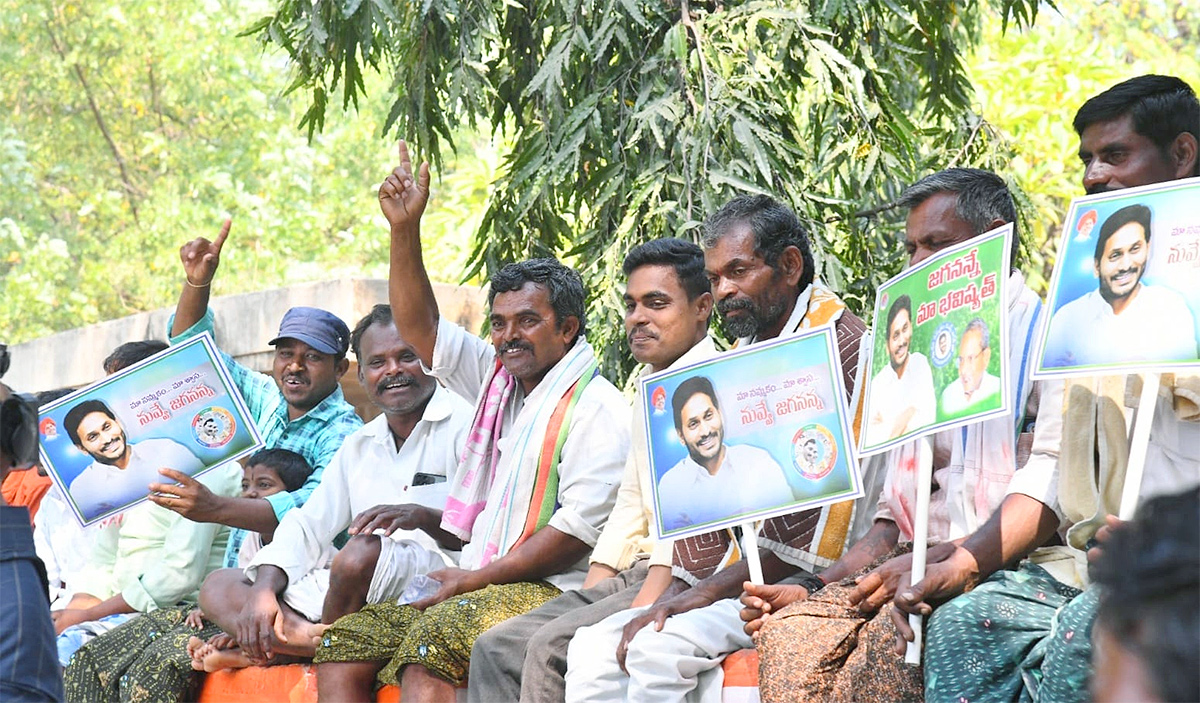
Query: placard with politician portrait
column 1125, row 295
column 938, row 356
column 104, row 445
column 749, row 434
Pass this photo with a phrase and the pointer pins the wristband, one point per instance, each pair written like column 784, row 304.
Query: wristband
column 812, row 583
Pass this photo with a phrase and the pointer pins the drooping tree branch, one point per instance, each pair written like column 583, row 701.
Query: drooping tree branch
column 132, row 192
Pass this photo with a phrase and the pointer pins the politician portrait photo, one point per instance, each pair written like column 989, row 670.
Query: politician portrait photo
column 120, row 471
column 715, row 480
column 974, row 384
column 902, row 396
column 1123, row 318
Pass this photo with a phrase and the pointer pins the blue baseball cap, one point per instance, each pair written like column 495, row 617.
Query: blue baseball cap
column 319, row 329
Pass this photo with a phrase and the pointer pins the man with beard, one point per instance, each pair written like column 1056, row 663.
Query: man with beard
column 714, row 480
column 1025, row 631
column 534, row 486
column 299, row 407
column 390, row 476
column 759, row 261
column 902, row 397
column 120, row 472
column 1124, row 319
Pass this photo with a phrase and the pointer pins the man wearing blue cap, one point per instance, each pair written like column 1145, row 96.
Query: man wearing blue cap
column 299, row 407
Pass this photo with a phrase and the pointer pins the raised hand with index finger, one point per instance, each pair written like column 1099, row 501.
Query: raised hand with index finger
column 201, row 257
column 404, row 194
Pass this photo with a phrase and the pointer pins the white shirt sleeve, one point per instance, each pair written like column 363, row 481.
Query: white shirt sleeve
column 592, row 461
column 461, row 360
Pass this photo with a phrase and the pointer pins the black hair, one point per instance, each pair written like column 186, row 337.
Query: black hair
column 76, row 414
column 685, row 257
column 293, row 470
column 1149, row 579
column 44, row 397
column 1161, row 107
column 775, row 228
column 381, row 314
column 982, row 198
column 687, row 389
column 563, row 285
column 1130, row 213
column 901, row 303
column 130, row 353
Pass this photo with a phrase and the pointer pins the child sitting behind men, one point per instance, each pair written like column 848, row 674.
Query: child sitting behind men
column 267, row 472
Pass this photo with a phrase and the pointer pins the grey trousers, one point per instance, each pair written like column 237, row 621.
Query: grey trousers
column 525, row 658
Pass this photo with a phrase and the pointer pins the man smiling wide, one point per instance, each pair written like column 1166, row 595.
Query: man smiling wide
column 536, row 482
column 298, row 407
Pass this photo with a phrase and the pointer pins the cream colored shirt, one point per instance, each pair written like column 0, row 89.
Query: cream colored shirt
column 626, row 536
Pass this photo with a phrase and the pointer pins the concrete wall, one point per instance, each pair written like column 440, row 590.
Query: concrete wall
column 244, row 325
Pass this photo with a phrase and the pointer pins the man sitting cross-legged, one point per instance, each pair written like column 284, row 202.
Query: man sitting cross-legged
column 536, row 482
column 402, row 458
column 404, row 454
column 667, row 308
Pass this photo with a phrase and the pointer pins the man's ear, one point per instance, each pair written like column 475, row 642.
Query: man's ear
column 1184, row 155
column 342, row 367
column 570, row 327
column 704, row 306
column 791, row 265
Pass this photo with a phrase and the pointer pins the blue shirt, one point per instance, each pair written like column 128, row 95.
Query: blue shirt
column 316, row 435
column 29, row 669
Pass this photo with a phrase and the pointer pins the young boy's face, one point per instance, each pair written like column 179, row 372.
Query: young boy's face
column 260, row 481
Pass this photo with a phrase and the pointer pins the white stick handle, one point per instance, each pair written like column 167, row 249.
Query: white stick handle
column 750, row 549
column 1138, row 445
column 912, row 654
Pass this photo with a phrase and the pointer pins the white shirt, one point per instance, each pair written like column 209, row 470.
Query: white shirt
column 954, row 398
column 891, row 395
column 102, row 488
column 1172, row 456
column 1156, row 326
column 627, row 534
column 62, row 544
column 368, row 471
column 592, row 457
column 748, row 480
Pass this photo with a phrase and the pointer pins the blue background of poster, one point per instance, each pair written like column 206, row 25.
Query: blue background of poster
column 133, row 384
column 1174, row 224
column 760, row 368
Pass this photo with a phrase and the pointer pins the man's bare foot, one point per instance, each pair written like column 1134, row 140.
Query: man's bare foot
column 195, row 646
column 219, row 659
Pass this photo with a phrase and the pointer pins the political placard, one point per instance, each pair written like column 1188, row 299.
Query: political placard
column 103, row 445
column 1125, row 294
column 749, row 434
column 938, row 356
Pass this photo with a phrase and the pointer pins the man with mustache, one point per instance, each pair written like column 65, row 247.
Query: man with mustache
column 1124, row 319
column 667, row 309
column 299, row 407
column 759, row 261
column 714, row 477
column 389, row 476
column 534, row 486
column 120, row 472
column 902, row 397
column 1020, row 627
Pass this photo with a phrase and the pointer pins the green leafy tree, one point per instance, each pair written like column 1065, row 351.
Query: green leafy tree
column 127, row 129
column 1030, row 85
column 631, row 120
